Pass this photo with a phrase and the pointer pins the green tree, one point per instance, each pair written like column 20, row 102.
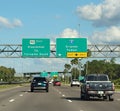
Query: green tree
column 6, row 74
column 75, row 73
column 66, row 71
column 75, row 70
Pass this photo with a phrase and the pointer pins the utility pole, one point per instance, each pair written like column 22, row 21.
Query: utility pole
column 79, row 29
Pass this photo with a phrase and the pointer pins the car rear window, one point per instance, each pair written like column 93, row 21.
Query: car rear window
column 97, row 78
column 39, row 79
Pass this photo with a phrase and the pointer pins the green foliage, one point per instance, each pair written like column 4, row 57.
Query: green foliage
column 75, row 73
column 104, row 67
column 67, row 66
column 117, row 81
column 6, row 74
column 74, row 61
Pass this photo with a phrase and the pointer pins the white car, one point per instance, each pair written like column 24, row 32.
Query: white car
column 75, row 82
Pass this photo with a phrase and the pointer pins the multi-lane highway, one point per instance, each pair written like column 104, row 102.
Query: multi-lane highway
column 64, row 98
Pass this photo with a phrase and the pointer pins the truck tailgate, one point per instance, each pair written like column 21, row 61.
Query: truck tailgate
column 100, row 86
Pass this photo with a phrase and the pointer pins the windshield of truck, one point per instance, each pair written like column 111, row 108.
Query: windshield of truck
column 97, row 78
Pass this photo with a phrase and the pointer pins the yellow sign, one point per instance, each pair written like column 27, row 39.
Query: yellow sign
column 76, row 54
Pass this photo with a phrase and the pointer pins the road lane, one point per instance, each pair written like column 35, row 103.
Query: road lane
column 73, row 94
column 38, row 101
column 64, row 98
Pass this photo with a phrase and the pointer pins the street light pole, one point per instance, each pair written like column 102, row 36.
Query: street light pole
column 79, row 29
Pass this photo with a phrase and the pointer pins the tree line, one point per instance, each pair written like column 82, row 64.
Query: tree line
column 95, row 66
column 6, row 74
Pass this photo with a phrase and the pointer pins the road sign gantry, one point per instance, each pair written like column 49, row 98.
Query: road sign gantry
column 97, row 50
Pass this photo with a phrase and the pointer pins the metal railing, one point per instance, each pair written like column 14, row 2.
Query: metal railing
column 97, row 51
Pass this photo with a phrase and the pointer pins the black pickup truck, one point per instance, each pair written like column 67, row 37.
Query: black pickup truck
column 97, row 85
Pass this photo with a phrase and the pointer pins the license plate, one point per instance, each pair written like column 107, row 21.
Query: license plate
column 100, row 92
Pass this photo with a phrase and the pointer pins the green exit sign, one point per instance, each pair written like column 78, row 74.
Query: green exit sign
column 35, row 47
column 71, row 47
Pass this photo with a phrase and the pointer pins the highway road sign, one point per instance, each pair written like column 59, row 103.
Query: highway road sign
column 52, row 74
column 35, row 47
column 76, row 54
column 44, row 74
column 71, row 47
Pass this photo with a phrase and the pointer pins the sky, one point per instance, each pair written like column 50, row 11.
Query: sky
column 96, row 20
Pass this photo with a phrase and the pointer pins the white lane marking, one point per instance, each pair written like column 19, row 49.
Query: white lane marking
column 27, row 92
column 59, row 92
column 69, row 101
column 11, row 100
column 21, row 95
column 81, row 110
column 63, row 95
column 118, row 99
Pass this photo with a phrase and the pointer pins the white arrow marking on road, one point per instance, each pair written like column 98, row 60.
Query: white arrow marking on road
column 11, row 100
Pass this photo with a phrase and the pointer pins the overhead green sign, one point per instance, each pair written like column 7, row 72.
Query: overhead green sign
column 44, row 74
column 71, row 47
column 52, row 74
column 81, row 77
column 35, row 47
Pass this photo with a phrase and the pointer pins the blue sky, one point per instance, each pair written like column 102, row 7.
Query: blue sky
column 99, row 22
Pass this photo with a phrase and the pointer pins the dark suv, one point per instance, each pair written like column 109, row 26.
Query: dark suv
column 39, row 83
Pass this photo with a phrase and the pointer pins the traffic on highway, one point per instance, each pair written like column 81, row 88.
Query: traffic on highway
column 60, row 55
column 61, row 98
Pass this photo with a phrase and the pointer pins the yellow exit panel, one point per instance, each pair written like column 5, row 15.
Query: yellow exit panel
column 76, row 54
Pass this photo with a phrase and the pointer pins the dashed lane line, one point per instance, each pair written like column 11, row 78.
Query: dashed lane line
column 63, row 95
column 59, row 92
column 11, row 100
column 69, row 101
column 21, row 95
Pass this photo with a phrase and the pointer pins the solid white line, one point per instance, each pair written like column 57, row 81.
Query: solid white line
column 11, row 100
column 69, row 101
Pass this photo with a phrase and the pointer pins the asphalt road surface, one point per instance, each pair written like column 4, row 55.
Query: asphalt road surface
column 63, row 98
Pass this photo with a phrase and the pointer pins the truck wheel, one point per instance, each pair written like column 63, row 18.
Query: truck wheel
column 87, row 97
column 31, row 90
column 47, row 90
column 105, row 97
column 110, row 98
column 82, row 96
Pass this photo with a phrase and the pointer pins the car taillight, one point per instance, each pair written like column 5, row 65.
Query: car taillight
column 113, row 87
column 87, row 87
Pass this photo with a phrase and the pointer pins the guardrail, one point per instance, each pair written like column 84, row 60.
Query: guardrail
column 6, row 83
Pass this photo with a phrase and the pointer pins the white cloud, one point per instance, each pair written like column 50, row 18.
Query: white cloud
column 17, row 23
column 110, row 35
column 69, row 33
column 105, row 14
column 5, row 23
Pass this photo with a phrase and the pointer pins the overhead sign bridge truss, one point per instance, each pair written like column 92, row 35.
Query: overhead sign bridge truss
column 97, row 51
